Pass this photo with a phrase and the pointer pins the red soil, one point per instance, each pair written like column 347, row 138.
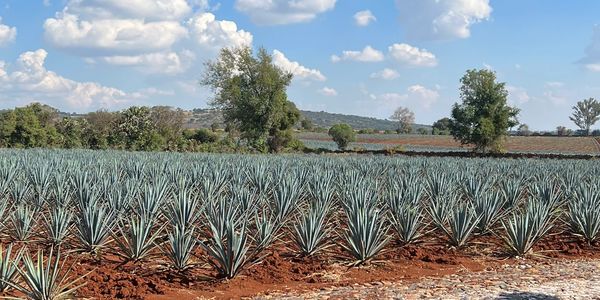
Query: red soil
column 281, row 270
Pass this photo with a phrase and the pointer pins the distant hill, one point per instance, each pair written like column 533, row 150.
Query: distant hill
column 203, row 118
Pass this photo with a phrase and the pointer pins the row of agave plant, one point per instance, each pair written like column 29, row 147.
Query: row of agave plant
column 232, row 208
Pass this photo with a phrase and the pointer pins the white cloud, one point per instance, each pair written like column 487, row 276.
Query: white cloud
column 213, row 34
column 169, row 63
column 364, row 18
column 385, row 74
column 31, row 81
column 368, row 54
column 440, row 20
column 412, row 56
column 517, row 95
column 111, row 36
column 46, row 2
column 296, row 68
column 149, row 10
column 7, row 34
column 593, row 67
column 415, row 95
column 278, row 12
column 327, row 91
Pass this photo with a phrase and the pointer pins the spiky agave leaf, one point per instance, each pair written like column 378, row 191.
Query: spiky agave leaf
column 46, row 280
column 523, row 230
column 180, row 247
column 58, row 225
column 489, row 208
column 408, row 222
column 94, row 225
column 461, row 225
column 23, row 221
column 137, row 237
column 228, row 253
column 366, row 234
column 312, row 229
column 584, row 214
column 8, row 267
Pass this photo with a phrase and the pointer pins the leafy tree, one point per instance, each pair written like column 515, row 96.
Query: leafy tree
column 405, row 118
column 214, row 126
column 168, row 122
column 137, row 131
column 422, row 131
column 203, row 135
column 563, row 131
column 307, row 124
column 523, row 130
column 72, row 131
column 484, row 117
column 441, row 126
column 585, row 114
column 342, row 135
column 251, row 92
column 101, row 132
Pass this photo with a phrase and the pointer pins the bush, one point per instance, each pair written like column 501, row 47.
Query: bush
column 204, row 135
column 342, row 135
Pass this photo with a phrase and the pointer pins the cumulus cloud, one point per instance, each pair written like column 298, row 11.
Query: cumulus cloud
column 385, row 74
column 296, row 68
column 412, row 56
column 279, row 12
column 368, row 54
column 414, row 95
column 152, row 36
column 441, row 20
column 31, row 81
column 149, row 10
column 327, row 91
column 364, row 18
column 111, row 36
column 7, row 34
column 211, row 33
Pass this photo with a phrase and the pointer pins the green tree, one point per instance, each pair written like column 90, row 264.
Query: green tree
column 102, row 131
column 137, row 131
column 441, row 126
column 523, row 130
column 483, row 118
column 168, row 123
column 72, row 131
column 342, row 135
column 585, row 114
column 307, row 124
column 251, row 92
column 563, row 131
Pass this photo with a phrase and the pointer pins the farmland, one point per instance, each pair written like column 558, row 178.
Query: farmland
column 138, row 224
column 516, row 144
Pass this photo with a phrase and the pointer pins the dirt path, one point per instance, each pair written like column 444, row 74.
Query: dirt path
column 551, row 279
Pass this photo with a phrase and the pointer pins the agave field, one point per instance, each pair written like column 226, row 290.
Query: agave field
column 177, row 213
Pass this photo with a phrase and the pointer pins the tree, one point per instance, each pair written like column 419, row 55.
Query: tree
column 422, row 131
column 137, row 131
column 441, row 126
column 342, row 135
column 405, row 118
column 252, row 94
column 168, row 122
column 72, row 131
column 563, row 131
column 101, row 132
column 523, row 130
column 483, row 118
column 585, row 114
column 307, row 124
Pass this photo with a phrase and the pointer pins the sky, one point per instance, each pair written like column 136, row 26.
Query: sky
column 362, row 57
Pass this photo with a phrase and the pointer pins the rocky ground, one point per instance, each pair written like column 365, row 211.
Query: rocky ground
column 545, row 279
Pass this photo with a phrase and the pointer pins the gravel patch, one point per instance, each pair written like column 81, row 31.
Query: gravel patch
column 549, row 280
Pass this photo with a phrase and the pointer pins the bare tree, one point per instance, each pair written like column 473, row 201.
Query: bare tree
column 524, row 130
column 405, row 118
column 585, row 114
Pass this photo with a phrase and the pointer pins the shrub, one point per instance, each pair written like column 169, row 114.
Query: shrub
column 204, row 135
column 342, row 135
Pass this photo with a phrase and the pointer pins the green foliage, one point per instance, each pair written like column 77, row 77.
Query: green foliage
column 441, row 126
column 307, row 124
column 484, row 117
column 342, row 135
column 585, row 114
column 203, row 135
column 252, row 94
column 137, row 131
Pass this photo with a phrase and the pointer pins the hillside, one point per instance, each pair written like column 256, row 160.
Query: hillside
column 206, row 117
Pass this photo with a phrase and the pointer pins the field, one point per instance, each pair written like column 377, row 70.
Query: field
column 165, row 225
column 515, row 144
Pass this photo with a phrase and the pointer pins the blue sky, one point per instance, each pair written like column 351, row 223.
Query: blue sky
column 352, row 56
